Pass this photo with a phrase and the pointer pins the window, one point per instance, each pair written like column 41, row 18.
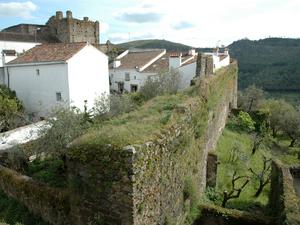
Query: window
column 134, row 77
column 37, row 72
column 133, row 88
column 58, row 96
column 127, row 76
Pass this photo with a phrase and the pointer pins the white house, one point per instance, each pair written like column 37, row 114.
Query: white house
column 220, row 59
column 11, row 45
column 132, row 68
column 49, row 75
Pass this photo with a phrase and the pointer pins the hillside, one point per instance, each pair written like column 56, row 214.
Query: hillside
column 156, row 43
column 272, row 63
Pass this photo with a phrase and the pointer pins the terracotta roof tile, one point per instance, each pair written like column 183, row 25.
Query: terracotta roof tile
column 49, row 53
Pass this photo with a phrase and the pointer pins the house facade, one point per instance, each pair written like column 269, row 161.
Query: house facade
column 131, row 69
column 220, row 59
column 64, row 74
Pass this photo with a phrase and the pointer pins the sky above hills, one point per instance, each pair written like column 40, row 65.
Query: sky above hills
column 197, row 23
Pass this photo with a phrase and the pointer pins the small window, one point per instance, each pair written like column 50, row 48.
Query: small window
column 37, row 72
column 127, row 76
column 58, row 96
column 134, row 77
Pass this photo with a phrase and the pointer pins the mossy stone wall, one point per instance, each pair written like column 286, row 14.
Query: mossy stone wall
column 284, row 202
column 50, row 203
column 147, row 183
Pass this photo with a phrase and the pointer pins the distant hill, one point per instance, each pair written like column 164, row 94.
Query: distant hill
column 156, row 43
column 272, row 63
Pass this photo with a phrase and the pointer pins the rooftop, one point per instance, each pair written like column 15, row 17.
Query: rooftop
column 49, row 53
column 137, row 59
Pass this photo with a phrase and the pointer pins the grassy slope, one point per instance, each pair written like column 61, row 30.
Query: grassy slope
column 233, row 137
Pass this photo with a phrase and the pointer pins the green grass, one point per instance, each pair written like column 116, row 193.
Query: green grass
column 137, row 126
column 14, row 213
column 241, row 141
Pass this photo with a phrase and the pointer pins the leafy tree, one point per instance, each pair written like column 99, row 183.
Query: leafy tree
column 276, row 111
column 245, row 121
column 291, row 125
column 250, row 99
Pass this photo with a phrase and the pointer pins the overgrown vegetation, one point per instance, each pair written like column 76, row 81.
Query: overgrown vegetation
column 14, row 213
column 11, row 110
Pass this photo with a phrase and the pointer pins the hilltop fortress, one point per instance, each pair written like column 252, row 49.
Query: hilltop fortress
column 57, row 29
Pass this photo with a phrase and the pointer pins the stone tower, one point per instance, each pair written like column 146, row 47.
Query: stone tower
column 68, row 29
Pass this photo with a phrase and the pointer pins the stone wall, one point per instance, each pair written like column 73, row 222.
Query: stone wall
column 155, row 182
column 50, row 203
column 70, row 30
column 284, row 202
column 148, row 183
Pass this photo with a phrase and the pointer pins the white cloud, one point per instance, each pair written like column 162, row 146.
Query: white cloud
column 104, row 27
column 208, row 22
column 17, row 9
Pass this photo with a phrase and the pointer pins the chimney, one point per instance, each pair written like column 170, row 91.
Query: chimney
column 117, row 63
column 69, row 14
column 216, row 51
column 226, row 51
column 192, row 52
column 86, row 18
column 175, row 60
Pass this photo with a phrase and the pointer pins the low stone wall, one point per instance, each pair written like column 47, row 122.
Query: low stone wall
column 49, row 203
column 284, row 202
column 215, row 215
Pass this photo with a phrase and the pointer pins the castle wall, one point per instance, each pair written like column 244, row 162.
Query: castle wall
column 150, row 183
column 70, row 30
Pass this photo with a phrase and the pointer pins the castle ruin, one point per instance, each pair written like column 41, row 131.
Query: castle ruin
column 58, row 29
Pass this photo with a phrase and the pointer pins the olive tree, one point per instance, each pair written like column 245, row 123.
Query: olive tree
column 250, row 98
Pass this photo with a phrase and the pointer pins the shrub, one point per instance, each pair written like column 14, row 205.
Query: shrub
column 114, row 105
column 245, row 121
column 10, row 110
column 164, row 83
column 62, row 128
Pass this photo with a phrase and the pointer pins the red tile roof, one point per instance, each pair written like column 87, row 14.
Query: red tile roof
column 49, row 53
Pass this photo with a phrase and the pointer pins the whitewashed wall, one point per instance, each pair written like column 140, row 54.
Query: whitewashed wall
column 2, row 75
column 88, row 76
column 187, row 73
column 136, row 78
column 19, row 47
column 38, row 92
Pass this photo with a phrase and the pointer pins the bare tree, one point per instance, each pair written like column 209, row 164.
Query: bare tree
column 263, row 176
column 235, row 191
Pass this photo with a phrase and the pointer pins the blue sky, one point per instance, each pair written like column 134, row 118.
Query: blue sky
column 199, row 23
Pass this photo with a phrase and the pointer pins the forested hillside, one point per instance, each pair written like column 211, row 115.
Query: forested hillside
column 272, row 63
